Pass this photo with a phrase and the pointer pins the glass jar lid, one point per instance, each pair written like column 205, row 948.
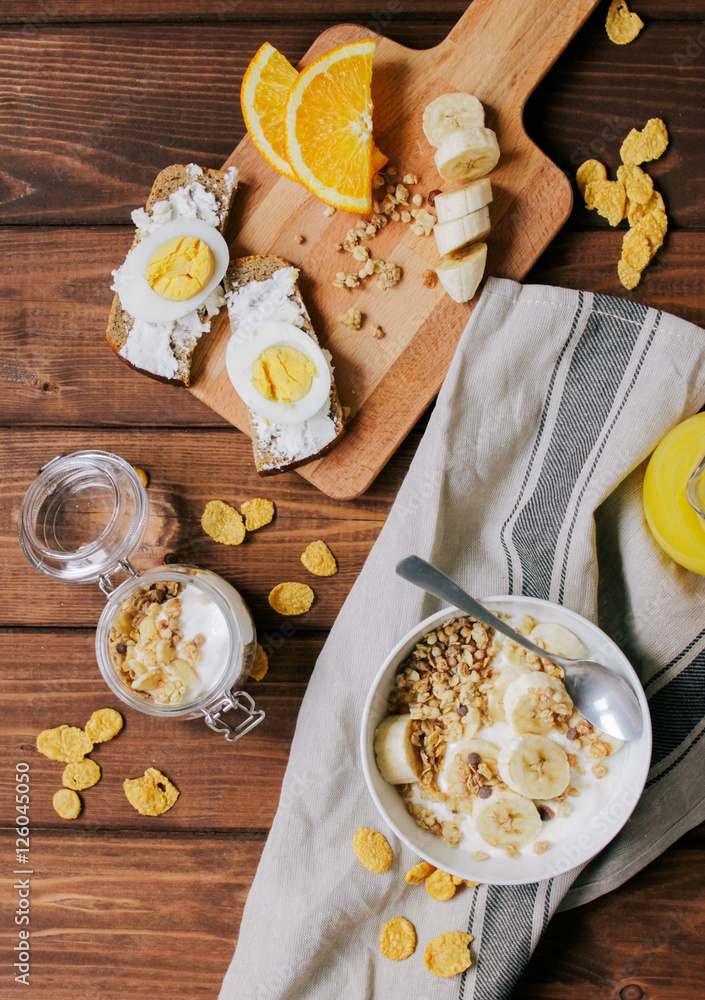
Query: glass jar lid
column 83, row 516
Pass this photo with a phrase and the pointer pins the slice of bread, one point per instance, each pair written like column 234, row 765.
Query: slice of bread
column 270, row 451
column 222, row 186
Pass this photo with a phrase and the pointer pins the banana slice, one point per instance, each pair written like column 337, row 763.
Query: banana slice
column 461, row 271
column 450, row 205
column 501, row 680
column 470, row 152
column 506, row 819
column 451, row 112
column 397, row 758
column 559, row 640
column 486, row 751
column 452, row 235
column 534, row 766
column 537, row 703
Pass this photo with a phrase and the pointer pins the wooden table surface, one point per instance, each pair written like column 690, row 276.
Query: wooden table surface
column 96, row 98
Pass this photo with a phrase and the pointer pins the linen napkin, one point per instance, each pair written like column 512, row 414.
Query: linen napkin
column 527, row 481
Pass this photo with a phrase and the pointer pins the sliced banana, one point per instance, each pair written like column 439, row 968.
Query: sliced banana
column 502, row 678
column 450, row 205
column 461, row 271
column 452, row 235
column 486, row 751
column 532, row 703
column 467, row 153
column 506, row 819
column 397, row 758
column 534, row 766
column 451, row 112
column 558, row 639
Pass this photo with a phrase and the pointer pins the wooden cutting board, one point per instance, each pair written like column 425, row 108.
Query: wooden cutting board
column 499, row 50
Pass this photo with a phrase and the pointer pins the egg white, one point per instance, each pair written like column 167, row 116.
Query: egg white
column 136, row 295
column 242, row 353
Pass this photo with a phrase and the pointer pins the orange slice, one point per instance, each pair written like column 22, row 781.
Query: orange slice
column 329, row 126
column 263, row 95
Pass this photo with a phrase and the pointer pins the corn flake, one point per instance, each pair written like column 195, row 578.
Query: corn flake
column 638, row 185
column 65, row 743
column 419, row 873
column 649, row 144
column 142, row 475
column 448, row 954
column 654, row 227
column 372, row 850
column 609, row 198
column 103, row 725
column 397, row 939
column 622, row 25
column 629, row 277
column 152, row 794
column 440, row 886
column 588, row 173
column 636, row 251
column 81, row 774
column 223, row 523
column 291, row 598
column 260, row 664
column 636, row 212
column 319, row 560
column 67, row 803
column 257, row 513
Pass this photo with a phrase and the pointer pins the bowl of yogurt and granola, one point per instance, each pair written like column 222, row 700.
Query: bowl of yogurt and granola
column 476, row 756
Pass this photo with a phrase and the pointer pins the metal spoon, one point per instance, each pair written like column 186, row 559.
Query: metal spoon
column 602, row 696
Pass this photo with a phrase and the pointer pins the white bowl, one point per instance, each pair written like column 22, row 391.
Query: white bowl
column 565, row 854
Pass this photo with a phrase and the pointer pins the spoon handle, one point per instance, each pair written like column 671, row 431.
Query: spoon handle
column 430, row 579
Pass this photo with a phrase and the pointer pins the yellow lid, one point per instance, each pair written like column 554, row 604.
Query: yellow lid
column 674, row 523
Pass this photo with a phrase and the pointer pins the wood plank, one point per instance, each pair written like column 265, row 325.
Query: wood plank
column 156, row 915
column 360, row 11
column 673, row 280
column 187, row 470
column 51, row 677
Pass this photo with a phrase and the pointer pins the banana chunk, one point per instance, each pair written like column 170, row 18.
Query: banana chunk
column 397, row 758
column 450, row 205
column 506, row 819
column 558, row 639
column 537, row 703
column 467, row 153
column 535, row 766
column 453, row 235
column 460, row 272
column 450, row 112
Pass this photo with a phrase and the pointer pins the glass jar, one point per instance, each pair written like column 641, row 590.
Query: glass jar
column 80, row 521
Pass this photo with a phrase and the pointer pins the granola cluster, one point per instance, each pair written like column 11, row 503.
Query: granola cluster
column 147, row 647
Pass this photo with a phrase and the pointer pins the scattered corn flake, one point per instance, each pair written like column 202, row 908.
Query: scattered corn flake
column 627, row 275
column 638, row 185
column 81, row 774
column 636, row 250
column 636, row 212
column 64, row 743
column 647, row 145
column 351, row 318
column 440, row 886
column 257, row 513
column 609, row 198
column 457, row 880
column 103, row 725
column 152, row 794
column 622, row 25
column 419, row 873
column 372, row 850
column 448, row 954
column 654, row 227
column 223, row 523
column 319, row 560
column 291, row 598
column 142, row 475
column 260, row 664
column 590, row 172
column 67, row 803
column 397, row 939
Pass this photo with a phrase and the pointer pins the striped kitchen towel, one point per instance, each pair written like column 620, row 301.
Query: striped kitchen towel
column 527, row 481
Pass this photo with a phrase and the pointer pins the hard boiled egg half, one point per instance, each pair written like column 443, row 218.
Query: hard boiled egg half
column 172, row 271
column 279, row 372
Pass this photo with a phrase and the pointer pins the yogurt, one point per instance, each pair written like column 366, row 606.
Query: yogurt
column 200, row 616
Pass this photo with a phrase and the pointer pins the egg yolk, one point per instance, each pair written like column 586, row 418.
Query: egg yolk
column 180, row 268
column 283, row 374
